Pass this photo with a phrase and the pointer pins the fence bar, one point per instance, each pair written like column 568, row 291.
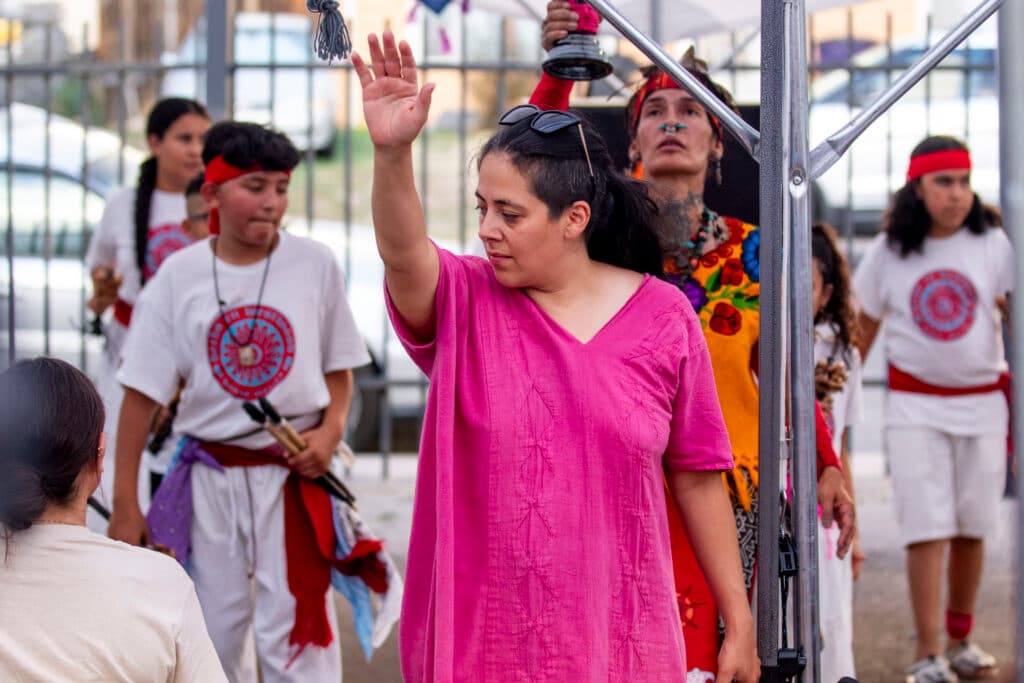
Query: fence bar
column 747, row 136
column 801, row 320
column 216, row 60
column 1011, row 184
column 9, row 237
column 825, row 155
column 773, row 151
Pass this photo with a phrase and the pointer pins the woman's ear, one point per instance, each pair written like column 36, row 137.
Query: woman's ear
column 153, row 142
column 576, row 219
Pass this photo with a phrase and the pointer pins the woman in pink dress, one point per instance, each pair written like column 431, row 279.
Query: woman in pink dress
column 566, row 381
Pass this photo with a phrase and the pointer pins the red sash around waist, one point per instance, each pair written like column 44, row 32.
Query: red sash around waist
column 123, row 312
column 904, row 381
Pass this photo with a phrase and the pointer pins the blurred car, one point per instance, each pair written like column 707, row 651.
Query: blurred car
column 961, row 97
column 294, row 96
column 55, row 200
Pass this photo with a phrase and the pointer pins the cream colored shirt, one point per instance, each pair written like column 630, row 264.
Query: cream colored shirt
column 77, row 606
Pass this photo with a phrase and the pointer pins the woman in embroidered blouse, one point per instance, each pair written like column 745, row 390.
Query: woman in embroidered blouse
column 675, row 146
column 540, row 550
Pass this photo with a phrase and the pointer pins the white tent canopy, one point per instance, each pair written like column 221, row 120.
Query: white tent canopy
column 675, row 19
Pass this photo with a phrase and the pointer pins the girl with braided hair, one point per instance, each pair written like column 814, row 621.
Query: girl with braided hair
column 141, row 226
column 675, row 147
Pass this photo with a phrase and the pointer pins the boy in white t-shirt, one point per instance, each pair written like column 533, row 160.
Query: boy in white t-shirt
column 939, row 276
column 251, row 312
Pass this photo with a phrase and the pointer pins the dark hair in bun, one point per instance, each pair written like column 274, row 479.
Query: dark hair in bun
column 51, row 418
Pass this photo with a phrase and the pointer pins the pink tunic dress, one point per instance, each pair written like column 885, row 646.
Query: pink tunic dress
column 540, row 548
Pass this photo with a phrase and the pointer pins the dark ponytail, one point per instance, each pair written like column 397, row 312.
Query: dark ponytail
column 621, row 230
column 143, row 201
column 51, row 418
column 161, row 117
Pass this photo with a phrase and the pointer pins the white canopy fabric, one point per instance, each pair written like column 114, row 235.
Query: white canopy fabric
column 675, row 18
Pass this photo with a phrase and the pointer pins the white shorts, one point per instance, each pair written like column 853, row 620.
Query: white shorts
column 944, row 485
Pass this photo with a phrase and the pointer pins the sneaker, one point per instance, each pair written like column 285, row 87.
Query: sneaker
column 934, row 669
column 970, row 661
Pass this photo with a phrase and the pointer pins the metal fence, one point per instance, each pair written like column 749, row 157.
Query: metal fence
column 70, row 127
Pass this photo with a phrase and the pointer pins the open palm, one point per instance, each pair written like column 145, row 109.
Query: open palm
column 394, row 106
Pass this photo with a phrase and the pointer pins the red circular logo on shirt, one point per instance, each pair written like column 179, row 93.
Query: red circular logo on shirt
column 256, row 355
column 163, row 241
column 943, row 304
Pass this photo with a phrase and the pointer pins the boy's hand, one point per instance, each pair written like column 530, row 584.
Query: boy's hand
column 316, row 459
column 128, row 524
column 557, row 24
column 394, row 106
column 105, row 284
column 837, row 505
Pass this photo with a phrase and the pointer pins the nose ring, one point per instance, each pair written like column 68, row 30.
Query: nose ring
column 672, row 128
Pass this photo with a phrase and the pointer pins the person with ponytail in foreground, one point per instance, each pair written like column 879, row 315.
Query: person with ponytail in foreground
column 566, row 378
column 141, row 226
column 76, row 605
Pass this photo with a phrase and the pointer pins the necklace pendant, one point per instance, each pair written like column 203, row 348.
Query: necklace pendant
column 246, row 355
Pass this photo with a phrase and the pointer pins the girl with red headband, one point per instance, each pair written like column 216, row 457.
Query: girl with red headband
column 252, row 312
column 676, row 148
column 939, row 276
column 140, row 227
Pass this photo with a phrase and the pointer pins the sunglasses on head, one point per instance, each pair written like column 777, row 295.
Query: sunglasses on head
column 546, row 122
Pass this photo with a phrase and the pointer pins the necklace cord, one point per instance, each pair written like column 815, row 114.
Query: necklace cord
column 259, row 297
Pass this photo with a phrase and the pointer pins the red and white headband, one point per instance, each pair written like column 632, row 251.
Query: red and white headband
column 220, row 171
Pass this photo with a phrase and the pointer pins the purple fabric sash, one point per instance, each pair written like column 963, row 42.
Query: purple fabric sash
column 170, row 513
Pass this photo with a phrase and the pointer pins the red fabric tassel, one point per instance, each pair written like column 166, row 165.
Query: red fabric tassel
column 364, row 563
column 309, row 571
column 823, row 442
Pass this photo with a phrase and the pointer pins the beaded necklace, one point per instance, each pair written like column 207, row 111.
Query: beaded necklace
column 693, row 248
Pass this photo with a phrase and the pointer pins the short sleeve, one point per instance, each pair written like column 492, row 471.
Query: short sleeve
column 102, row 249
column 698, row 439
column 195, row 658
column 1004, row 258
column 451, row 297
column 343, row 346
column 867, row 280
column 148, row 359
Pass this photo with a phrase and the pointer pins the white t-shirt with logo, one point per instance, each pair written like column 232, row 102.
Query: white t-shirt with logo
column 848, row 402
column 113, row 243
column 302, row 330
column 942, row 325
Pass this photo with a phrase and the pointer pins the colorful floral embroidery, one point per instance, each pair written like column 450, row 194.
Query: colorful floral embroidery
column 751, row 246
column 725, row 284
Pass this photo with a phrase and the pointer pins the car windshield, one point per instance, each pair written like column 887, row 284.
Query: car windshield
column 64, row 208
column 963, row 73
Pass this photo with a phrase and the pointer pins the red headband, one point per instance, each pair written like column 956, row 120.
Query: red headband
column 662, row 81
column 219, row 171
column 933, row 162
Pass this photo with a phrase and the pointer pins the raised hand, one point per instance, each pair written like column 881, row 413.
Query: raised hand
column 394, row 106
column 558, row 23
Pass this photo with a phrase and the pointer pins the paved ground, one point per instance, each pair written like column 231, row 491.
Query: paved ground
column 882, row 618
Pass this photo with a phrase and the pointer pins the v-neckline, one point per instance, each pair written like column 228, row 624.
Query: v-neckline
column 561, row 330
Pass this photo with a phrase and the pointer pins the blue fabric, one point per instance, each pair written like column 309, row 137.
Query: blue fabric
column 436, row 5
column 353, row 587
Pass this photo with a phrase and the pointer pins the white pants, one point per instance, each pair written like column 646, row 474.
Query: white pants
column 835, row 608
column 239, row 569
column 945, row 485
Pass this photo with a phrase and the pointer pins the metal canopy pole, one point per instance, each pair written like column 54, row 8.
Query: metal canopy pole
column 774, row 153
column 1011, row 190
column 829, row 152
column 801, row 343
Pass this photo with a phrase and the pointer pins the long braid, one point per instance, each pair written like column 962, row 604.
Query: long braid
column 143, row 202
